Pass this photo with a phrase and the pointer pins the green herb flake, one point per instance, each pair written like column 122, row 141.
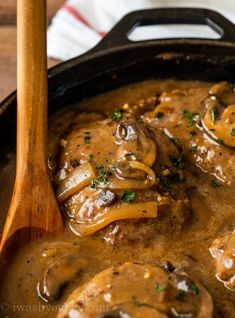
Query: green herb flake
column 117, row 114
column 86, row 140
column 206, row 286
column 215, row 184
column 193, row 149
column 181, row 294
column 214, row 115
column 174, row 139
column 160, row 288
column 233, row 132
column 177, row 162
column 195, row 290
column 174, row 178
column 103, row 176
column 159, row 115
column 99, row 166
column 191, row 116
column 232, row 290
column 220, row 141
column 128, row 196
column 136, row 302
column 90, row 157
column 193, row 133
column 94, row 183
column 231, row 226
column 113, row 166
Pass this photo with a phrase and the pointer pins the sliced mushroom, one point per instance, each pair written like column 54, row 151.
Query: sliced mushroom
column 134, row 140
column 181, row 122
column 139, row 291
column 219, row 119
column 223, row 250
column 126, row 157
column 146, row 181
column 219, row 122
column 224, row 92
column 56, row 277
column 105, row 198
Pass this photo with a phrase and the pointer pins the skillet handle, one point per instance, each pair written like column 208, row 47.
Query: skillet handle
column 118, row 36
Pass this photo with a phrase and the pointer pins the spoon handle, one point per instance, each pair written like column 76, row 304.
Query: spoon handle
column 31, row 87
column 33, row 211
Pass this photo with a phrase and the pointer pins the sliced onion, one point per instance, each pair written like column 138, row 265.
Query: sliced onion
column 111, row 214
column 75, row 181
column 134, row 184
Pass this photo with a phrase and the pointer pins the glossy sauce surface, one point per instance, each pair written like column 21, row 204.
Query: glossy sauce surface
column 209, row 185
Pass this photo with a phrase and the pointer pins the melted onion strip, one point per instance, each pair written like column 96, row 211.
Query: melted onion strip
column 123, row 212
column 75, row 181
column 134, row 184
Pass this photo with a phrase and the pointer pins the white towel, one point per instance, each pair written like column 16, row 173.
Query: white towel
column 80, row 24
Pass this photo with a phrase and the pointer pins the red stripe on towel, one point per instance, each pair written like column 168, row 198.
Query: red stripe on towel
column 74, row 12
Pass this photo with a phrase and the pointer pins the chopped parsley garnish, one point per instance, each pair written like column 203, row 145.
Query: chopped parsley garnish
column 160, row 288
column 174, row 139
column 220, row 141
column 174, row 178
column 177, row 162
column 90, row 157
column 231, row 226
column 159, row 115
column 233, row 132
column 193, row 133
column 87, row 138
column 94, row 183
column 232, row 290
column 128, row 196
column 113, row 166
column 103, row 176
column 99, row 166
column 206, row 286
column 117, row 114
column 193, row 149
column 191, row 116
column 136, row 302
column 195, row 290
column 215, row 184
column 214, row 114
column 181, row 294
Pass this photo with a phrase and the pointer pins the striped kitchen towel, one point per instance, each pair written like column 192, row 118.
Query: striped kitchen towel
column 80, row 24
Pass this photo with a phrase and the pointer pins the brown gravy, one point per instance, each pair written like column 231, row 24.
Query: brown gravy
column 212, row 216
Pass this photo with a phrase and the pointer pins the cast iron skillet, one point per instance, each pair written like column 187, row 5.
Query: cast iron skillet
column 117, row 61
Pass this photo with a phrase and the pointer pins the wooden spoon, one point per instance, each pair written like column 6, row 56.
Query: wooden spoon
column 33, row 211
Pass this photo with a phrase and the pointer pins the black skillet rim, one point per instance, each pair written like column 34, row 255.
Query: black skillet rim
column 110, row 56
